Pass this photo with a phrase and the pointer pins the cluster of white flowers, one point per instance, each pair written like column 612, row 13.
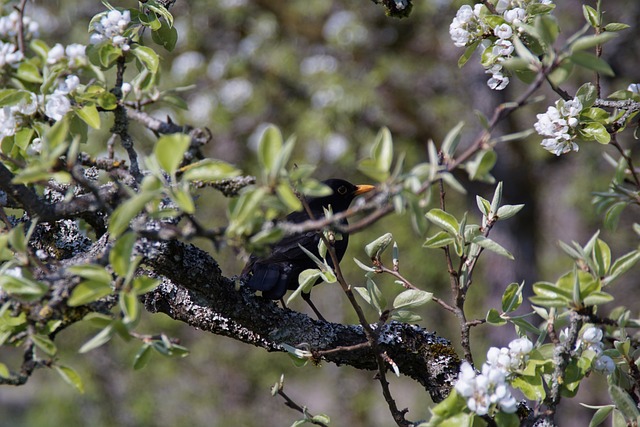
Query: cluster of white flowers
column 58, row 103
column 10, row 115
column 469, row 26
column 74, row 54
column 559, row 125
column 111, row 27
column 10, row 26
column 592, row 340
column 9, row 54
column 490, row 388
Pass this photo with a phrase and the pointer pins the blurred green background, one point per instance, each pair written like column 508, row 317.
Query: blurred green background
column 332, row 73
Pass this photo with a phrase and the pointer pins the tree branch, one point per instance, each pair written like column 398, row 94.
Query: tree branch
column 194, row 291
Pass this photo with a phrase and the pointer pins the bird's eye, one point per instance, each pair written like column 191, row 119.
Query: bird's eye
column 342, row 190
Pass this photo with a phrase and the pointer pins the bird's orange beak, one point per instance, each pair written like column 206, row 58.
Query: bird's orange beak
column 361, row 189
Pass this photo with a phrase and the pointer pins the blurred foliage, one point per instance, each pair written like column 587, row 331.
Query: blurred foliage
column 332, row 73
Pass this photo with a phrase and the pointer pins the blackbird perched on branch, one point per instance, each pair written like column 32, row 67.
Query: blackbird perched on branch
column 278, row 271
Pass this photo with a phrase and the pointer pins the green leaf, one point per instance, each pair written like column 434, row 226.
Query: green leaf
column 602, row 257
column 592, row 62
column 616, row 26
column 622, row 265
column 99, row 339
column 314, row 188
column 596, row 131
column 268, row 236
column 480, row 166
column 588, row 42
column 483, row 206
column 89, row 114
column 591, row 15
column 551, row 290
column 405, row 316
column 129, row 306
column 22, row 287
column 91, row 272
column 29, row 72
column 522, row 326
column 364, row 266
column 468, row 53
column 600, row 415
column 88, row 291
column 452, row 139
column 44, row 343
column 547, row 28
column 306, row 280
column 382, row 150
column 375, row 248
column 597, row 298
column 496, row 200
column 444, row 220
column 123, row 214
column 209, row 170
column 166, row 36
column 170, row 150
column 269, row 149
column 507, row 420
column 142, row 357
column 531, row 386
column 288, row 197
column 144, row 284
column 70, row 376
column 587, row 94
column 57, row 135
column 379, row 164
column 411, row 298
column 512, row 297
column 182, row 198
column 494, row 318
column 147, row 57
column 439, row 240
column 491, row 245
column 120, row 255
column 4, row 371
column 507, row 211
column 623, row 402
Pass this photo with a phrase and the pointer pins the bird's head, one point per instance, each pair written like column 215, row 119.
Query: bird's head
column 343, row 194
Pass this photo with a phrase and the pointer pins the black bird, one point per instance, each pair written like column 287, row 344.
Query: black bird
column 278, row 271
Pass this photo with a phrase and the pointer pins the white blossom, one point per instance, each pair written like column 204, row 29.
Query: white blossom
column 515, row 16
column 502, row 48
column 112, row 26
column 8, row 122
column 9, row 25
column 467, row 26
column 70, row 84
column 490, row 388
column 57, row 106
column 76, row 54
column 558, row 125
column 503, row 31
column 634, row 87
column 498, row 81
column 126, row 88
column 9, row 54
column 592, row 335
column 55, row 54
column 604, row 364
column 27, row 108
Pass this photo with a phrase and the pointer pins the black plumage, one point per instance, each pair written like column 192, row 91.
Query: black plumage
column 278, row 271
